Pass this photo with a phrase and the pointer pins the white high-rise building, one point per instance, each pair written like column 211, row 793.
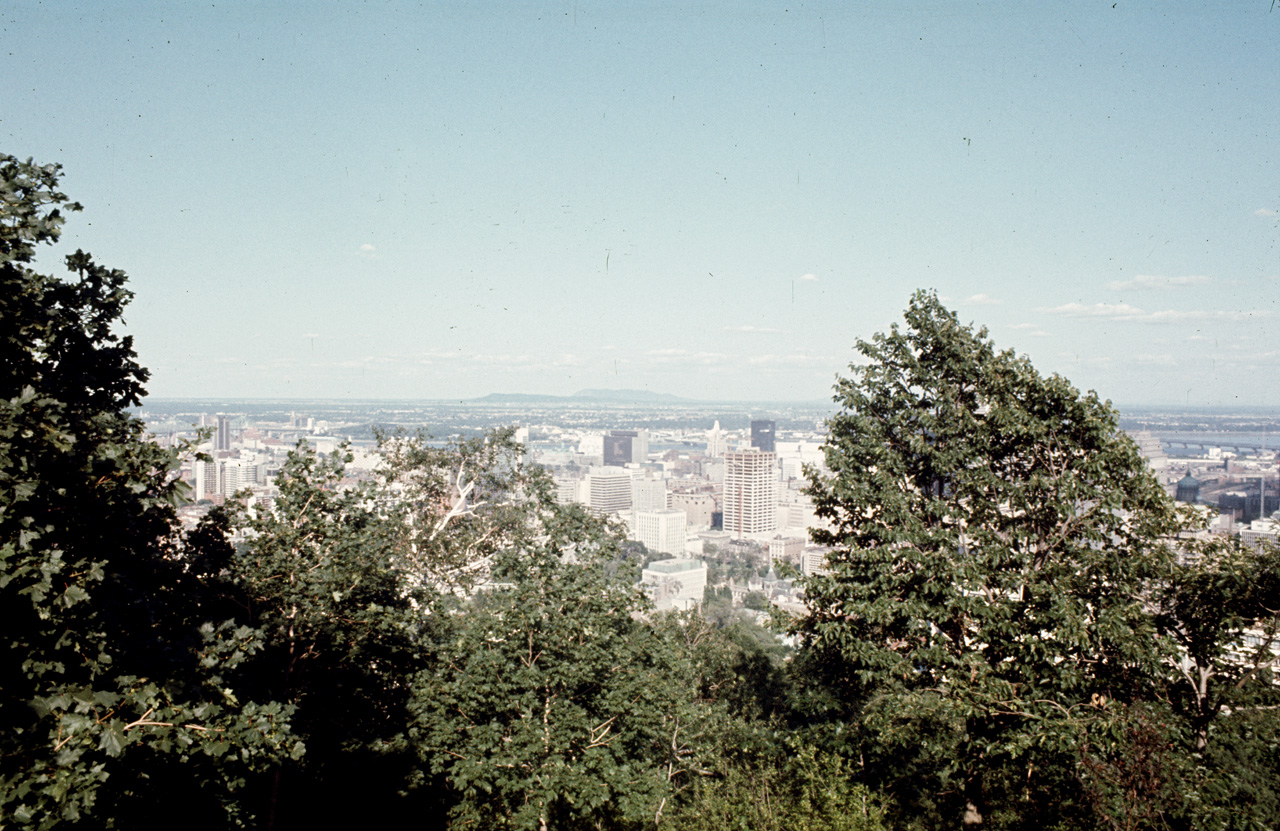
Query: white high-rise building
column 566, row 489
column 205, row 475
column 715, row 442
column 609, row 490
column 749, row 492
column 648, row 494
column 661, row 531
column 235, row 475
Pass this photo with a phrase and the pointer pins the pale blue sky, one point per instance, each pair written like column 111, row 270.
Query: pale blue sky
column 715, row 200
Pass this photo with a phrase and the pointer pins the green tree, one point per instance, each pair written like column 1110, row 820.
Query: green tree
column 771, row 783
column 551, row 705
column 320, row 576
column 114, row 705
column 362, row 588
column 996, row 535
column 1222, row 608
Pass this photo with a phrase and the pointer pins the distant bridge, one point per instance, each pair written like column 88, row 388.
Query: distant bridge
column 1207, row 443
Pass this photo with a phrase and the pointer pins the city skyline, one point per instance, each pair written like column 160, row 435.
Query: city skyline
column 711, row 201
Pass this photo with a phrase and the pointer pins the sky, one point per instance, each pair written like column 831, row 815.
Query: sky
column 714, row 200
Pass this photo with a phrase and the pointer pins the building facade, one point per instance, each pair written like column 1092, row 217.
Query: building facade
column 750, row 498
column 662, row 531
column 677, row 583
column 763, row 433
column 609, row 490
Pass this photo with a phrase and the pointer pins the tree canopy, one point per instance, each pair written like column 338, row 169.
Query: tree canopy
column 1010, row 631
column 113, row 674
column 994, row 532
column 1005, row 626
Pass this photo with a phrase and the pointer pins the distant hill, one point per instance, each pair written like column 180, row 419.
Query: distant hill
column 625, row 395
column 584, row 396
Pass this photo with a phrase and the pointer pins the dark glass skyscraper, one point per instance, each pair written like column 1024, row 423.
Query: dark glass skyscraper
column 762, row 435
column 222, row 440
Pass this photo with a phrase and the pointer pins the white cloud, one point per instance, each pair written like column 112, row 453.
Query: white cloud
column 793, row 360
column 1264, row 212
column 1116, row 310
column 684, row 356
column 981, row 300
column 754, row 330
column 368, row 251
column 1152, row 281
column 1022, row 326
column 1233, row 315
column 503, row 359
column 1124, row 311
column 808, row 278
column 1156, row 360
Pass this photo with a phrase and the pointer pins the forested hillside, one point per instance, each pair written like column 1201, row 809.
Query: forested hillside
column 1009, row 633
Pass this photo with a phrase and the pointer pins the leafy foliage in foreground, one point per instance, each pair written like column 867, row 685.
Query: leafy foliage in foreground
column 1004, row 637
column 990, row 626
column 113, row 700
column 552, row 706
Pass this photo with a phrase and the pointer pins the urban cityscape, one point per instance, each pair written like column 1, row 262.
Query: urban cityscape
column 668, row 416
column 698, row 498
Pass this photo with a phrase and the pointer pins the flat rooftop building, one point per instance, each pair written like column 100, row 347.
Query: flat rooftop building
column 677, row 583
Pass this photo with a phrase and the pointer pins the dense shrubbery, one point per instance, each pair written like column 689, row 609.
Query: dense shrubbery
column 1004, row 636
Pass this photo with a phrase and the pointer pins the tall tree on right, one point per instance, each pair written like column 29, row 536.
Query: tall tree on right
column 995, row 535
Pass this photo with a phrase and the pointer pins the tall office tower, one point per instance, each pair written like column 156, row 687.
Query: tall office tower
column 206, row 478
column 234, row 475
column 749, row 492
column 617, row 449
column 591, row 445
column 1151, row 449
column 640, row 447
column 715, row 442
column 661, row 531
column 626, row 446
column 762, row 434
column 222, row 441
column 648, row 494
column 610, row 490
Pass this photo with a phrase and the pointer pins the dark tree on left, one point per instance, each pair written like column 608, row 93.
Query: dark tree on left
column 113, row 709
